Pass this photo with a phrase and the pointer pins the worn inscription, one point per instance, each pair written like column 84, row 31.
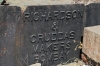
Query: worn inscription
column 55, row 36
column 57, row 15
column 55, row 45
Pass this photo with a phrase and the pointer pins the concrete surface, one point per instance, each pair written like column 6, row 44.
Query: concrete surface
column 91, row 42
column 49, row 2
column 24, row 3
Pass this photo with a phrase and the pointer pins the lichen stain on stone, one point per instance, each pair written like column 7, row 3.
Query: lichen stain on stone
column 2, row 51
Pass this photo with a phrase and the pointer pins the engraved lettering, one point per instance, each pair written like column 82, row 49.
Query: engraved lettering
column 55, row 46
column 60, row 34
column 40, row 37
column 42, row 48
column 80, row 13
column 54, row 35
column 54, row 27
column 49, row 16
column 47, row 39
column 62, row 56
column 50, row 56
column 35, row 48
column 56, row 55
column 36, row 16
column 74, row 14
column 67, row 52
column 27, row 17
column 33, row 38
column 68, row 14
column 43, row 16
column 36, row 58
column 63, row 15
column 49, row 47
column 72, row 34
column 66, row 36
column 62, row 45
column 42, row 58
column 68, row 45
column 56, row 15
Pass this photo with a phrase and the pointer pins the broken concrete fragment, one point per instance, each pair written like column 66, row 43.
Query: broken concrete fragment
column 91, row 42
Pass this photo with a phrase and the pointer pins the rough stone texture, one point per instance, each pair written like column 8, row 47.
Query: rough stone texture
column 90, row 46
column 92, row 14
column 24, row 3
column 91, row 42
column 79, row 63
column 37, row 2
column 49, row 2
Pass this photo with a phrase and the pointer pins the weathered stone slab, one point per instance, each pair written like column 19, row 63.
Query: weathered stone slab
column 41, row 34
column 92, row 14
column 91, row 42
column 9, row 20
